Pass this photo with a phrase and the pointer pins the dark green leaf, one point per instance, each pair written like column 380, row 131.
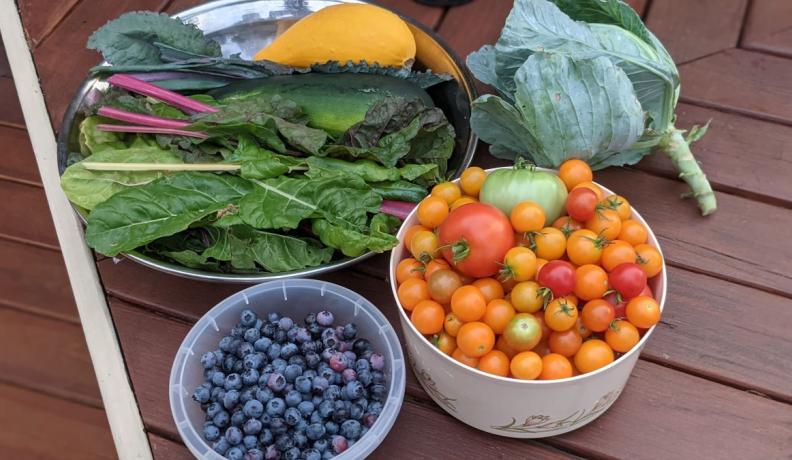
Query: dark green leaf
column 353, row 243
column 399, row 190
column 425, row 79
column 368, row 170
column 258, row 163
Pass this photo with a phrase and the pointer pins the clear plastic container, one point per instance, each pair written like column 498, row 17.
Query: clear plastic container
column 295, row 298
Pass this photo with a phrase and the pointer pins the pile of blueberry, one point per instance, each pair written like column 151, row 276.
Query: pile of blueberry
column 276, row 389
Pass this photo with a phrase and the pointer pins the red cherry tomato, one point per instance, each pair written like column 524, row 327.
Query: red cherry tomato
column 475, row 238
column 581, row 204
column 628, row 279
column 619, row 304
column 558, row 276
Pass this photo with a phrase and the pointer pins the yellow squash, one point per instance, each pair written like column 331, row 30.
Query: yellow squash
column 346, row 32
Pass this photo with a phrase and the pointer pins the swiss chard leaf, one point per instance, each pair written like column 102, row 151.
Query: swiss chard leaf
column 259, row 163
column 92, row 140
column 368, row 170
column 399, row 190
column 351, row 242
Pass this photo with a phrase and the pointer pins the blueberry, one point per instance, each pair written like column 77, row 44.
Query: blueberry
column 377, row 377
column 228, row 344
column 301, row 426
column 262, row 344
column 233, row 435
column 344, row 347
column 268, row 330
column 221, row 419
column 350, row 429
column 291, row 372
column 321, row 444
column 315, row 431
column 238, row 367
column 292, row 416
column 291, row 334
column 315, row 417
column 273, row 352
column 266, row 438
column 254, row 454
column 354, row 390
column 331, row 427
column 337, row 380
column 327, row 353
column 221, row 446
column 276, row 407
column 331, row 341
column 252, row 426
column 271, row 453
column 339, row 415
column 326, row 373
column 288, row 350
column 326, row 408
column 279, row 336
column 332, row 392
column 339, row 444
column 303, row 384
column 235, row 453
column 213, row 409
column 306, row 408
column 298, row 360
column 316, row 400
column 312, row 359
column 310, row 373
column 279, row 365
column 202, row 395
column 369, row 419
column 273, row 317
column 233, row 382
column 320, row 384
column 314, row 328
column 245, row 348
column 364, row 377
column 351, row 357
column 253, row 408
column 229, row 362
column 324, row 318
column 231, row 399
column 284, row 442
column 211, row 432
column 250, row 377
column 247, row 318
column 276, row 382
column 265, row 419
column 375, row 407
column 208, row 360
column 247, row 394
column 377, row 361
column 359, row 346
column 292, row 454
column 285, row 323
column 356, row 411
column 249, row 441
column 264, row 394
column 278, row 426
column 251, row 335
column 237, row 418
column 308, row 347
column 218, row 393
column 301, row 336
column 338, row 362
column 350, row 331
column 378, row 392
column 362, row 365
column 347, row 375
column 293, row 398
column 362, row 402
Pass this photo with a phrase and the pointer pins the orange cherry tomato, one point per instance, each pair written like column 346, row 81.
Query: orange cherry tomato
column 508, row 285
column 591, row 282
column 411, row 231
column 445, row 343
column 490, row 288
column 519, row 264
column 442, row 285
column 597, row 315
column 464, row 359
column 475, row 339
column 573, row 172
column 617, row 253
column 427, row 316
column 585, row 247
column 435, row 265
column 649, row 259
column 471, row 180
column 432, row 211
column 526, row 365
column 495, row 362
column 593, row 354
column 451, row 324
column 541, row 348
column 527, row 216
column 567, row 225
column 582, row 329
column 633, row 232
column 554, row 367
column 622, row 336
column 565, row 343
column 546, row 331
column 499, row 313
column 549, row 243
column 605, row 223
column 539, row 264
column 619, row 204
column 525, row 297
column 592, row 186
column 423, row 246
column 409, row 268
column 560, row 315
column 468, row 303
column 448, row 191
column 461, row 202
column 643, row 311
column 503, row 346
column 412, row 291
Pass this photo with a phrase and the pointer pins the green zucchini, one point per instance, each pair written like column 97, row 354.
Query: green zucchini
column 332, row 102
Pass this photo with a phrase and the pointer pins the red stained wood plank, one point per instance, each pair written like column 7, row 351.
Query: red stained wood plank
column 10, row 112
column 40, row 17
column 43, row 427
column 34, row 279
column 466, row 28
column 740, row 155
column 638, row 5
column 747, row 82
column 690, row 30
column 769, row 27
column 18, row 163
column 426, row 15
column 26, row 215
column 61, row 77
column 165, row 449
column 5, row 67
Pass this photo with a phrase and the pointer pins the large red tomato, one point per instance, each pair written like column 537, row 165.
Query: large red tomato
column 475, row 238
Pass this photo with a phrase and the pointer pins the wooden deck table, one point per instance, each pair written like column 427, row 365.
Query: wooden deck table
column 714, row 381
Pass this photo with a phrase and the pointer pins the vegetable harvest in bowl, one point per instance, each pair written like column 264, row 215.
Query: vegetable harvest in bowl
column 225, row 165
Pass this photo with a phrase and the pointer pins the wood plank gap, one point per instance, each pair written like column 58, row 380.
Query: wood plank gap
column 759, row 48
column 645, row 13
column 62, row 395
column 28, row 242
column 442, row 18
column 744, row 25
column 729, row 109
column 729, row 279
column 57, row 24
column 20, row 181
column 690, row 61
column 150, row 308
column 12, row 125
column 37, row 311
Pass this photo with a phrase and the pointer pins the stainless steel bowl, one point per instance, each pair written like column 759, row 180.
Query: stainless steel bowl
column 243, row 27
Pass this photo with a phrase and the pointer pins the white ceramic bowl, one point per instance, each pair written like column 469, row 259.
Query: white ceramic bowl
column 510, row 407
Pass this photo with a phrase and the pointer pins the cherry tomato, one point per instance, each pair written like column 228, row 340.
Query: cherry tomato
column 471, row 180
column 597, row 315
column 619, row 204
column 558, row 276
column 593, row 354
column 593, row 187
column 591, row 282
column 409, row 268
column 523, row 332
column 649, row 259
column 466, row 360
column 468, row 304
column 424, row 246
column 475, row 339
column 643, row 312
column 412, row 291
column 461, row 202
column 585, row 247
column 451, row 324
column 633, row 232
column 519, row 264
column 435, row 265
column 560, row 315
column 581, row 204
column 525, row 297
column 567, row 225
column 501, row 345
column 475, row 238
column 432, row 211
column 605, row 223
column 495, row 362
column 448, row 191
column 573, row 172
column 541, row 348
column 427, row 317
column 442, row 285
column 627, row 279
column 490, row 288
column 539, row 264
column 622, row 336
column 619, row 304
column 526, row 365
column 617, row 253
column 554, row 367
column 527, row 216
column 565, row 343
column 445, row 343
column 411, row 231
column 549, row 243
column 581, row 329
column 499, row 313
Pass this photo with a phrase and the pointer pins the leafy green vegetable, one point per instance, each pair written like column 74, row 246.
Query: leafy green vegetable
column 353, row 243
column 92, row 140
column 368, row 170
column 399, row 190
column 129, row 39
column 259, row 163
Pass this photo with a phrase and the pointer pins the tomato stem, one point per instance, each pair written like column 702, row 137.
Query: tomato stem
column 460, row 249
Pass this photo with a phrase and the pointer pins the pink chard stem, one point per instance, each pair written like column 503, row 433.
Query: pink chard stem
column 400, row 209
column 150, row 130
column 135, row 85
column 140, row 119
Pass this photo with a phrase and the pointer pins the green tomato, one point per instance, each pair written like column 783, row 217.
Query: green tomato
column 505, row 188
column 523, row 332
